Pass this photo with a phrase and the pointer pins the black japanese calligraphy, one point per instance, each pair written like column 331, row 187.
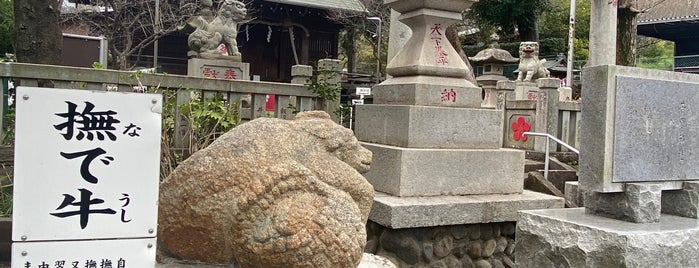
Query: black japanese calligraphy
column 89, row 156
column 88, row 123
column 133, row 128
column 90, row 264
column 106, row 263
column 126, row 200
column 84, row 207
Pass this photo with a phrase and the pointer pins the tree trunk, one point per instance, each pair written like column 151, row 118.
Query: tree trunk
column 627, row 29
column 528, row 27
column 350, row 48
column 453, row 37
column 121, row 61
column 37, row 35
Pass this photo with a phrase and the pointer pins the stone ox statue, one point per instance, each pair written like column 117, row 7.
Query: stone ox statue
column 530, row 67
column 270, row 193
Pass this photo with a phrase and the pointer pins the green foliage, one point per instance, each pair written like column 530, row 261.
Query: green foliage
column 6, row 27
column 6, row 183
column 205, row 119
column 8, row 131
column 553, row 25
column 209, row 117
column 581, row 49
column 656, row 54
column 507, row 15
column 547, row 47
column 552, row 46
column 99, row 66
column 321, row 87
column 365, row 49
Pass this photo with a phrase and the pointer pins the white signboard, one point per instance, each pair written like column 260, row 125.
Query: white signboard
column 363, row 91
column 121, row 253
column 358, row 102
column 86, row 165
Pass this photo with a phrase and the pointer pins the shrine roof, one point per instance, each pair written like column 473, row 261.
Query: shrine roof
column 346, row 5
column 668, row 11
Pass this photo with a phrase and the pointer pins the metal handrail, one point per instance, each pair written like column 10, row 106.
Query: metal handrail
column 546, row 159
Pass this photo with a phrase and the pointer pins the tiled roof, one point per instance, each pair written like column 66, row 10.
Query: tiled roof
column 659, row 11
column 347, row 5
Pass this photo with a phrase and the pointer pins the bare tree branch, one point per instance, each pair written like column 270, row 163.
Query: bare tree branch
column 129, row 25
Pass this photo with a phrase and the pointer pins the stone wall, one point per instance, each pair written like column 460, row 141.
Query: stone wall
column 472, row 245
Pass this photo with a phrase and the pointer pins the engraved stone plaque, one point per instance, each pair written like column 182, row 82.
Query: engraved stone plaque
column 656, row 130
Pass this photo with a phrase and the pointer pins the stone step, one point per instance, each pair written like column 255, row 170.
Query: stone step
column 532, row 165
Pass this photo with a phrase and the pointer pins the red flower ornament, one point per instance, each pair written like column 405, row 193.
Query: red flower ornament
column 519, row 128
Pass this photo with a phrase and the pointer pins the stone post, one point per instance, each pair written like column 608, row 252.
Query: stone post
column 603, row 22
column 329, row 76
column 565, row 93
column 301, row 74
column 547, row 112
column 508, row 88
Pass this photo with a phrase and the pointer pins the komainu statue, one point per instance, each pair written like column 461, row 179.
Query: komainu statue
column 270, row 193
column 530, row 67
column 222, row 29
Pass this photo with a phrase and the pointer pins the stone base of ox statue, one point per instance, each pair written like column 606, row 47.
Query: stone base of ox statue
column 573, row 238
column 368, row 261
column 270, row 193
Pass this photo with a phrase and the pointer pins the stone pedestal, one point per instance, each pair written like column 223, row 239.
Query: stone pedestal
column 431, row 172
column 573, row 238
column 368, row 261
column 413, row 126
column 526, row 90
column 218, row 69
column 437, row 156
column 428, row 91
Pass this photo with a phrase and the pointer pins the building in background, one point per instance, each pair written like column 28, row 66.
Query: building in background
column 676, row 21
column 282, row 33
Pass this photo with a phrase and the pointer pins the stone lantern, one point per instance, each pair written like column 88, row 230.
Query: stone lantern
column 437, row 154
column 492, row 59
column 427, row 60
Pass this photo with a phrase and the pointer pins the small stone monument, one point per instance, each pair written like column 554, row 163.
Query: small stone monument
column 638, row 172
column 270, row 193
column 214, row 49
column 493, row 59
